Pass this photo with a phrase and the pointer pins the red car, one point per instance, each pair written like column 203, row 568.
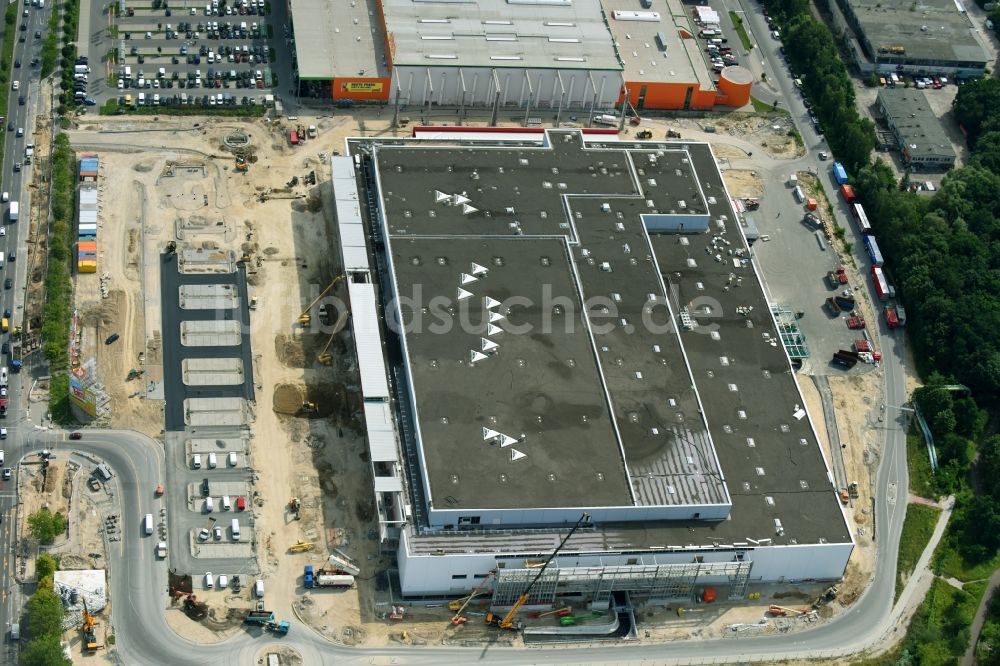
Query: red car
column 76, row 435
column 241, row 504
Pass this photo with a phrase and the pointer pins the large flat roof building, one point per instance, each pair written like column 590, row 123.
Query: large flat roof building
column 577, row 326
column 924, row 144
column 559, row 54
column 929, row 37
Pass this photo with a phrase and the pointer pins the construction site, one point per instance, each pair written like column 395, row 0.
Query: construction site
column 423, row 502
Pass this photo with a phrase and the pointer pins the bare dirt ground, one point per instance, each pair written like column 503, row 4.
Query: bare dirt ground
column 286, row 231
column 50, row 490
column 741, row 183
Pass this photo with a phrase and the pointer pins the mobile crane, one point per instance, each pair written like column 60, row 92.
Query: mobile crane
column 459, row 605
column 507, row 621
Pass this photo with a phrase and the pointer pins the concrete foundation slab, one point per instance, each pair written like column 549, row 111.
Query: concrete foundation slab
column 207, row 261
column 226, row 548
column 210, row 333
column 212, row 371
column 219, row 445
column 208, row 297
column 215, row 412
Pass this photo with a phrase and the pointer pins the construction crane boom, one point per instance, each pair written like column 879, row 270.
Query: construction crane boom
column 305, row 318
column 507, row 622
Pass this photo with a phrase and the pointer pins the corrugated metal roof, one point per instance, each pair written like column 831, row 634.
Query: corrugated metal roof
column 88, row 195
column 368, row 340
column 88, row 217
column 381, row 436
column 350, row 225
column 388, row 484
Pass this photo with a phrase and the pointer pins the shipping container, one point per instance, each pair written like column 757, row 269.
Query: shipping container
column 839, row 173
column 891, row 319
column 84, row 246
column 847, row 192
column 882, row 288
column 871, row 247
column 86, row 267
column 293, row 138
column 858, row 211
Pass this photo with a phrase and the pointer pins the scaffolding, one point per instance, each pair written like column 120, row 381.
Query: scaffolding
column 792, row 337
column 677, row 581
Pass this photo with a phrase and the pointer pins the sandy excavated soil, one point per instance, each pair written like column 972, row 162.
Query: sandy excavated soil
column 321, row 455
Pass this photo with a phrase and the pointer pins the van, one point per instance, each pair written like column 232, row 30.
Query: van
column 128, row 73
column 799, row 194
column 196, row 461
column 15, row 632
column 236, row 534
column 258, row 589
column 212, row 462
column 209, row 505
column 226, row 504
column 232, row 459
column 147, row 524
column 103, row 471
column 142, row 99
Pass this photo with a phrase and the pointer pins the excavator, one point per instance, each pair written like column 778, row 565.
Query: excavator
column 305, row 318
column 507, row 621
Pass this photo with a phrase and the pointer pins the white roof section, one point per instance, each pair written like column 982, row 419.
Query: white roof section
column 563, row 34
column 88, row 217
column 644, row 60
column 381, row 436
column 342, row 38
column 368, row 341
column 350, row 224
column 388, row 484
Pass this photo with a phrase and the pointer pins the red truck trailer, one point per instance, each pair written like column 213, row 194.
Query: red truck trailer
column 847, row 192
column 881, row 284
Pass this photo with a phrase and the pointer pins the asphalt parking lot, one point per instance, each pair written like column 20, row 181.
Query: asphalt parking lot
column 186, row 53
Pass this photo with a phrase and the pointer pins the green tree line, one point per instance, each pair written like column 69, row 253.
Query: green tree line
column 44, row 614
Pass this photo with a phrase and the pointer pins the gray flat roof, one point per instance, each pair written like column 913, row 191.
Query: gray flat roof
column 908, row 111
column 766, row 449
column 498, row 33
column 932, row 30
column 600, row 414
column 338, row 39
column 683, row 60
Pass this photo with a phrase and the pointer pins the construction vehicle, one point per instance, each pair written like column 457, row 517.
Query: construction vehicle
column 171, row 248
column 253, row 302
column 507, row 621
column 458, row 605
column 397, row 613
column 852, row 489
column 278, row 628
column 560, row 612
column 774, row 609
column 295, row 506
column 828, row 595
column 89, row 630
column 673, row 134
column 266, row 619
column 305, row 318
column 325, row 578
column 644, row 134
column 241, row 164
column 343, row 566
column 845, row 497
column 300, row 547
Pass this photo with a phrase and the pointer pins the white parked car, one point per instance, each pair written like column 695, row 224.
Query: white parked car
column 223, row 581
column 196, row 461
column 16, row 85
column 203, row 534
column 226, row 504
column 217, row 533
column 5, row 197
column 209, row 580
column 232, row 458
column 212, row 462
column 121, row 84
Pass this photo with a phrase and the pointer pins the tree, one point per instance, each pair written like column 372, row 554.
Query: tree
column 45, row 611
column 45, row 525
column 45, row 566
column 976, row 103
column 44, row 651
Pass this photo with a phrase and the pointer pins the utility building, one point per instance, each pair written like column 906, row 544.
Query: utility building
column 573, row 324
column 922, row 140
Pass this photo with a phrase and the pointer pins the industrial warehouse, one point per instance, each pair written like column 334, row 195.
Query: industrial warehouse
column 552, row 55
column 576, row 358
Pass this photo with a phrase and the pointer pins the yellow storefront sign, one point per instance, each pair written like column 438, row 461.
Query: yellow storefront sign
column 362, row 86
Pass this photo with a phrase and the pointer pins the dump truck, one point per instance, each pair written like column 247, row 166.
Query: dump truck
column 260, row 617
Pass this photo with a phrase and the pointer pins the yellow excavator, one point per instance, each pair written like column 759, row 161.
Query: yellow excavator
column 507, row 621
column 305, row 318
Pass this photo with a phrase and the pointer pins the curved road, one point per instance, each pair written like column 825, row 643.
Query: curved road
column 138, row 581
